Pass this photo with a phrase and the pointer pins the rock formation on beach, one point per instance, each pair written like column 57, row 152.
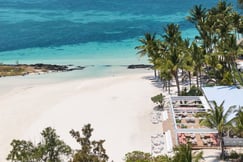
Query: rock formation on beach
column 24, row 69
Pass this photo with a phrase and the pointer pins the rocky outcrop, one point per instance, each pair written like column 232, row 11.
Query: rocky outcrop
column 139, row 66
column 76, row 68
column 53, row 67
column 25, row 69
column 50, row 67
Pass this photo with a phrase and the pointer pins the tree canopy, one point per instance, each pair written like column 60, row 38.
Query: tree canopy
column 53, row 149
column 211, row 55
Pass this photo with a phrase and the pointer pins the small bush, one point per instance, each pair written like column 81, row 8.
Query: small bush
column 194, row 91
column 234, row 155
column 158, row 99
column 178, row 121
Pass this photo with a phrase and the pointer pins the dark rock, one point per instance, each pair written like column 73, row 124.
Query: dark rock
column 50, row 67
column 139, row 66
column 76, row 68
column 107, row 65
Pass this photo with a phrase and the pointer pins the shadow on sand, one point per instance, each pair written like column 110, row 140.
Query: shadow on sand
column 157, row 108
column 155, row 81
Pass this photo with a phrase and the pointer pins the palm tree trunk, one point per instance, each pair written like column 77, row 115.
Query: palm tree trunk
column 239, row 75
column 169, row 86
column 200, row 76
column 177, row 82
column 155, row 74
column 197, row 79
column 222, row 146
column 190, row 79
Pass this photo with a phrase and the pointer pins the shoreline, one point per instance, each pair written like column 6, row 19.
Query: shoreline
column 111, row 104
column 9, row 83
column 7, row 70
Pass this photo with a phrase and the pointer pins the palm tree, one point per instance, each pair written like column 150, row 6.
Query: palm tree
column 218, row 118
column 229, row 52
column 197, row 14
column 236, row 21
column 149, row 48
column 240, row 3
column 216, row 27
column 198, row 60
column 237, row 122
column 174, row 57
column 188, row 64
column 184, row 153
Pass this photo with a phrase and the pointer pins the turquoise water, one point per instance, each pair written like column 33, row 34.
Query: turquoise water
column 91, row 33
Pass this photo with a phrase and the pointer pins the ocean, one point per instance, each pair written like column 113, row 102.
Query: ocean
column 98, row 34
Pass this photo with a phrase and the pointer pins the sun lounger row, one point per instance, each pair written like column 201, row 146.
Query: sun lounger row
column 157, row 143
column 156, row 117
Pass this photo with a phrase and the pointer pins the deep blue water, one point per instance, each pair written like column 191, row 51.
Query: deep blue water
column 71, row 30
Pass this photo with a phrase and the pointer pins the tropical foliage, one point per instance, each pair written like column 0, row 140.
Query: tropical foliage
column 182, row 153
column 91, row 151
column 138, row 156
column 193, row 91
column 219, row 119
column 237, row 122
column 52, row 149
column 159, row 99
column 210, row 56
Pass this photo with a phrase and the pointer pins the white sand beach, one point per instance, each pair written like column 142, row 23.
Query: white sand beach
column 119, row 109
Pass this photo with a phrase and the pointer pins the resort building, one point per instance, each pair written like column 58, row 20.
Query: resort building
column 181, row 118
column 231, row 95
column 186, row 122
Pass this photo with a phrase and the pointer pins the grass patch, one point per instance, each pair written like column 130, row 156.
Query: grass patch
column 6, row 70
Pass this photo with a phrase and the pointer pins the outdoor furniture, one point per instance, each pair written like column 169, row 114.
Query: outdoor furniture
column 182, row 141
column 157, row 149
column 155, row 119
column 207, row 136
column 190, row 119
column 193, row 135
column 156, row 141
column 193, row 141
column 205, row 141
column 214, row 142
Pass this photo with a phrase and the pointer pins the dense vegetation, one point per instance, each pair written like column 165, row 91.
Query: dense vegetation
column 52, row 149
column 183, row 153
column 211, row 56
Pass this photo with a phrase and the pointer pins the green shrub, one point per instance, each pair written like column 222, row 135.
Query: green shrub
column 194, row 91
column 178, row 121
column 158, row 99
